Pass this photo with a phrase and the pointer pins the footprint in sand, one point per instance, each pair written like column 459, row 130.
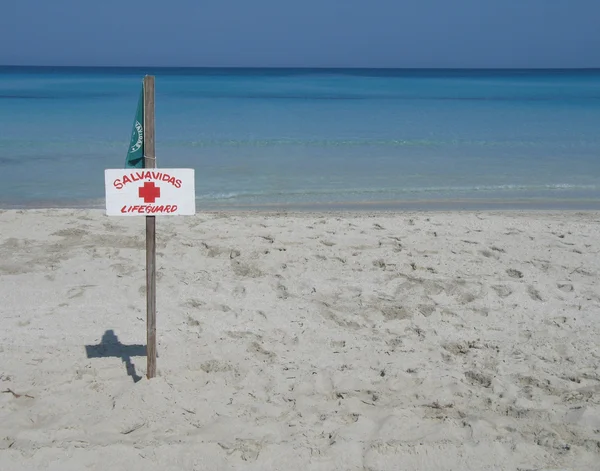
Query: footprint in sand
column 480, row 379
column 78, row 291
column 426, row 309
column 565, row 287
column 123, row 269
column 282, row 291
column 194, row 325
column 514, row 273
column 245, row 269
column 194, row 303
column 216, row 366
column 489, row 254
column 258, row 349
column 502, row 290
column 71, row 233
column 534, row 294
column 395, row 313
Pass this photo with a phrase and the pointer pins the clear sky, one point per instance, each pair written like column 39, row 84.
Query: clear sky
column 301, row 33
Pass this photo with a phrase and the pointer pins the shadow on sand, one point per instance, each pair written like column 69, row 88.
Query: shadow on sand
column 110, row 346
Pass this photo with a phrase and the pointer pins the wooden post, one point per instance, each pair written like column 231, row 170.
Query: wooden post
column 150, row 162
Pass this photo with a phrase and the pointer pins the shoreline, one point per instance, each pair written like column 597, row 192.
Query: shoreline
column 308, row 213
column 432, row 205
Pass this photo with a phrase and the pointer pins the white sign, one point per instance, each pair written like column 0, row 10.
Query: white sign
column 150, row 192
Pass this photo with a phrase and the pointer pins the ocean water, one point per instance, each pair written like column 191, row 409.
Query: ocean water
column 303, row 138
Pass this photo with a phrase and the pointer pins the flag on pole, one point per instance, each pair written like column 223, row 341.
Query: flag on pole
column 135, row 153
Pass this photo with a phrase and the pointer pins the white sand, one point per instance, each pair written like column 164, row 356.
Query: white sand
column 430, row 341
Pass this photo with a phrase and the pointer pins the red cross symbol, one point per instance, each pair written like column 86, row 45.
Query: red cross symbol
column 149, row 192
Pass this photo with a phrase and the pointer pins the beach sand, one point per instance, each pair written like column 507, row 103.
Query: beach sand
column 407, row 341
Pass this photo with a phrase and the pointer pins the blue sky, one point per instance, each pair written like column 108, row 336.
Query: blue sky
column 302, row 33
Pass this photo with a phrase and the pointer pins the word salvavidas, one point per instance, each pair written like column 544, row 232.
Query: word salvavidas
column 119, row 183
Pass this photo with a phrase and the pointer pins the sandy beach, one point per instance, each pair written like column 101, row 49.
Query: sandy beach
column 332, row 341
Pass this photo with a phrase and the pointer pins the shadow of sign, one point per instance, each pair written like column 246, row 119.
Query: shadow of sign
column 110, row 346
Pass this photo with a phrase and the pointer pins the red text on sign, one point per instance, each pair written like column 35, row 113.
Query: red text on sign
column 119, row 183
column 149, row 209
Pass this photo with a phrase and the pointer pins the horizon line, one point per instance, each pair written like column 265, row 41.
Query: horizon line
column 277, row 67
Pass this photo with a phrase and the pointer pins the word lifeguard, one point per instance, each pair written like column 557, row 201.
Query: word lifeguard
column 149, row 209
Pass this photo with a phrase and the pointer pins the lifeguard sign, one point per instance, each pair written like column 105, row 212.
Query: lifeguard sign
column 141, row 189
column 150, row 192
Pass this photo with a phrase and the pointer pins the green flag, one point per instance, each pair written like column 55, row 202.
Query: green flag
column 135, row 153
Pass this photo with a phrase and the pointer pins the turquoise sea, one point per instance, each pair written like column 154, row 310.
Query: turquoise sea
column 310, row 138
